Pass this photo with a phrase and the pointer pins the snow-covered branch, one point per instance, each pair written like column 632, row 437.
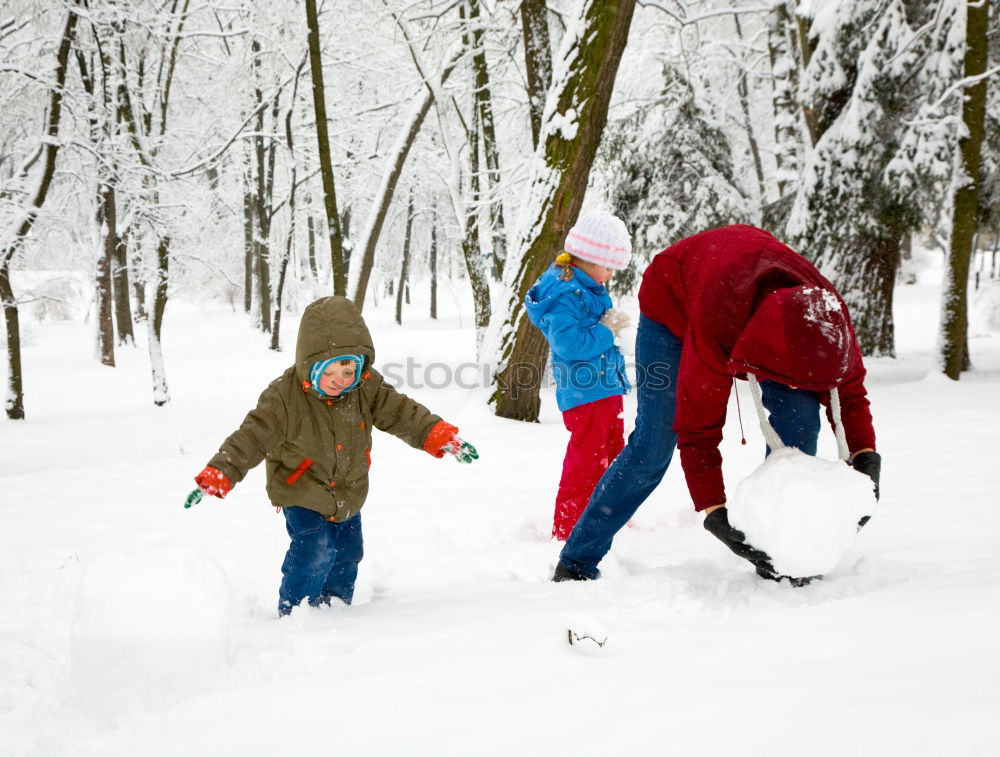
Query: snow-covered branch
column 687, row 21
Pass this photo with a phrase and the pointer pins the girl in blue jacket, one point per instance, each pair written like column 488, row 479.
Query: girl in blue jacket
column 573, row 310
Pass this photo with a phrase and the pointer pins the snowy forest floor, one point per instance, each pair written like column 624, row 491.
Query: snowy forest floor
column 132, row 626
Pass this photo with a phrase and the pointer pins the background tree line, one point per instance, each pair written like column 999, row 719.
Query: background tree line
column 269, row 153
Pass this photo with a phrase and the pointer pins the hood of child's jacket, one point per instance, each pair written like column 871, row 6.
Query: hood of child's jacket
column 546, row 290
column 799, row 336
column 330, row 327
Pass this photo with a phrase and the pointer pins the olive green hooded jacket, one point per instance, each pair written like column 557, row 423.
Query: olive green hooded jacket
column 318, row 448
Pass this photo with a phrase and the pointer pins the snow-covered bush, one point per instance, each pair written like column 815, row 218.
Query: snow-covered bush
column 669, row 173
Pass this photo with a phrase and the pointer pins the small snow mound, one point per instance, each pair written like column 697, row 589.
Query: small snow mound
column 801, row 510
column 156, row 621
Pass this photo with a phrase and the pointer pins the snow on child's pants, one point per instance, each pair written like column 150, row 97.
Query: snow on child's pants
column 322, row 559
column 597, row 433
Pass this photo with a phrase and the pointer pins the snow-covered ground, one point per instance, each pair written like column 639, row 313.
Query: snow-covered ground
column 129, row 625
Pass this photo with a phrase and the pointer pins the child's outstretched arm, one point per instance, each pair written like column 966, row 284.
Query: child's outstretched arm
column 407, row 419
column 261, row 432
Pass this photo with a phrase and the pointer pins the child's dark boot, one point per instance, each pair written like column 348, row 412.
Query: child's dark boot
column 562, row 573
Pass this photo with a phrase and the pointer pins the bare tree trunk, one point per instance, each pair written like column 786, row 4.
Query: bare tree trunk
column 743, row 90
column 472, row 253
column 954, row 318
column 120, row 285
column 283, row 266
column 868, row 291
column 161, row 395
column 806, row 48
column 102, row 128
column 405, row 269
column 976, row 266
column 139, row 120
column 103, row 132
column 283, row 269
column 434, row 270
column 248, row 239
column 348, row 242
column 537, row 60
column 556, row 194
column 472, row 249
column 905, row 255
column 390, row 178
column 784, row 82
column 325, row 161
column 139, row 289
column 311, row 245
column 14, row 402
column 263, row 187
column 484, row 103
column 105, row 262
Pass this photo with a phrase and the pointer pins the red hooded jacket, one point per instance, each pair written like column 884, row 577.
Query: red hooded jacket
column 743, row 302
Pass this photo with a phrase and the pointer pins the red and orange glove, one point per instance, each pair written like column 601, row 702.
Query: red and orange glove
column 213, row 481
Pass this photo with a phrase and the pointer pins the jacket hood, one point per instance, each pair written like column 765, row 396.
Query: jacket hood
column 330, row 327
column 544, row 292
column 798, row 336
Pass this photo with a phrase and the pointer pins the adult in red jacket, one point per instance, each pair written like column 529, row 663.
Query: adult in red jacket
column 724, row 304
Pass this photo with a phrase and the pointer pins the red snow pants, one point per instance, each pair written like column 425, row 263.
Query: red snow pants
column 597, row 435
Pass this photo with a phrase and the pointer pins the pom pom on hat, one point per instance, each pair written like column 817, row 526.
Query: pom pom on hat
column 600, row 238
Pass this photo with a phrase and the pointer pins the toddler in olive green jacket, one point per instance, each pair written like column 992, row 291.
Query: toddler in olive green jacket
column 313, row 427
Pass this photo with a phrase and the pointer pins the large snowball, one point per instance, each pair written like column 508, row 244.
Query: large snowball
column 154, row 622
column 801, row 510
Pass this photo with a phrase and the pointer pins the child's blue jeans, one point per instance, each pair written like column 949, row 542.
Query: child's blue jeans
column 322, row 560
column 640, row 467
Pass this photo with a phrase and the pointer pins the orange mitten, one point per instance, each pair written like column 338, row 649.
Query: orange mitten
column 213, row 481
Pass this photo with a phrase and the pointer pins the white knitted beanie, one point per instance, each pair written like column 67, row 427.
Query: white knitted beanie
column 600, row 238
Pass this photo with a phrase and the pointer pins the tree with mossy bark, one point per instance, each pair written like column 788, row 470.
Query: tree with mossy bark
column 573, row 121
column 954, row 300
column 877, row 84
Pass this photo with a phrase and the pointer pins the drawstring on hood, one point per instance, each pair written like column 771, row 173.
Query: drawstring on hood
column 771, row 436
column 843, row 451
column 739, row 413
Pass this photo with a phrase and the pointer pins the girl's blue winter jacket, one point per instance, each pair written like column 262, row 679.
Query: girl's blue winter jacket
column 586, row 364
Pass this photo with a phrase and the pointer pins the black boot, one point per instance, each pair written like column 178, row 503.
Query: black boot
column 562, row 573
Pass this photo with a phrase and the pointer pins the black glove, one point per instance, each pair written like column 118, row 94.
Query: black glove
column 869, row 463
column 717, row 524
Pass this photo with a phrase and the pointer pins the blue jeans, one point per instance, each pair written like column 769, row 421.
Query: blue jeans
column 640, row 467
column 322, row 559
